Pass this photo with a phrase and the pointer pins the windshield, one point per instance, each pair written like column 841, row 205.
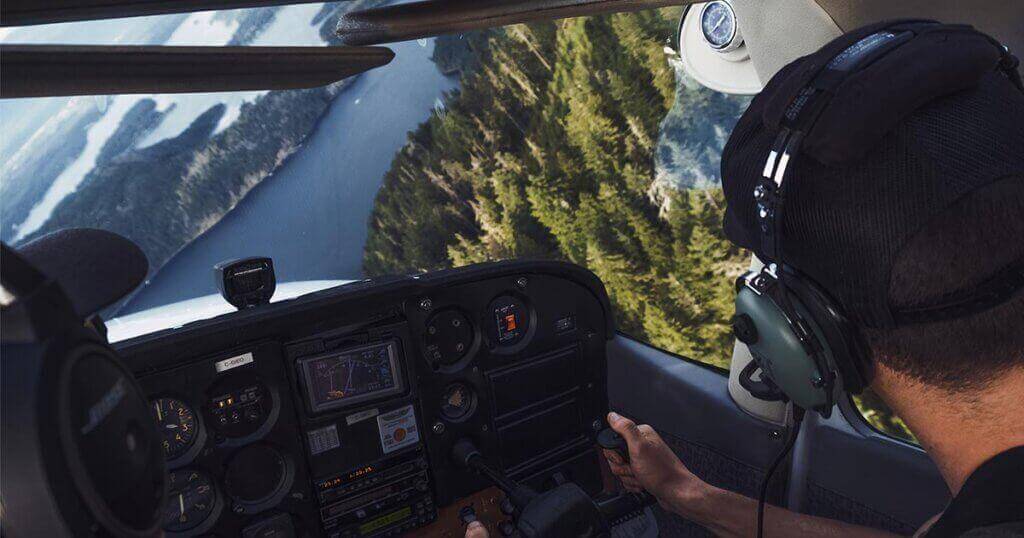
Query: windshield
column 578, row 140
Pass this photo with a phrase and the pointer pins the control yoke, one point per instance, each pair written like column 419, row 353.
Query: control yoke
column 565, row 510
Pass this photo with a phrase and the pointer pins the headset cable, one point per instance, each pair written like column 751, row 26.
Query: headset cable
column 798, row 418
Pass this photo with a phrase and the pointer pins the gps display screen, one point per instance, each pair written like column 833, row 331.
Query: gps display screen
column 351, row 376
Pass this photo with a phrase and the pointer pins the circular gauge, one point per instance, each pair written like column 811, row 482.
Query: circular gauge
column 241, row 408
column 457, row 402
column 509, row 319
column 191, row 501
column 177, row 424
column 718, row 25
column 448, row 337
column 257, row 475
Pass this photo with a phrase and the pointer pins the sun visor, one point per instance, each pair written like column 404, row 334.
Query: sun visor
column 95, row 268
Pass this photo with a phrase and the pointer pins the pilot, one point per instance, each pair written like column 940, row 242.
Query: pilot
column 929, row 212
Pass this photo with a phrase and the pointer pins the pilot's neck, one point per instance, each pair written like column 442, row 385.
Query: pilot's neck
column 960, row 430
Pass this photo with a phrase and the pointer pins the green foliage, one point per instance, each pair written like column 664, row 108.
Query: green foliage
column 878, row 415
column 547, row 151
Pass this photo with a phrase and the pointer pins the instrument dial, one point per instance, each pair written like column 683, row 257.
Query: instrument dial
column 191, row 501
column 177, row 424
column 510, row 321
column 457, row 402
column 718, row 24
column 449, row 337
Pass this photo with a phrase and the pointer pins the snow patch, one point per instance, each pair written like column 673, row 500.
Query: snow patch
column 292, row 25
column 69, row 180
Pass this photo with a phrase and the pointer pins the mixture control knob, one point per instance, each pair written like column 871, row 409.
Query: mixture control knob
column 506, row 507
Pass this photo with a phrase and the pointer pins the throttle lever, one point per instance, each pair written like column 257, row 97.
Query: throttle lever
column 610, row 439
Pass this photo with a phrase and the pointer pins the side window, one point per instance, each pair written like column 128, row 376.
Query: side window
column 578, row 140
column 879, row 416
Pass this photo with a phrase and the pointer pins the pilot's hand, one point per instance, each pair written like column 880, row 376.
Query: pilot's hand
column 652, row 465
column 476, row 530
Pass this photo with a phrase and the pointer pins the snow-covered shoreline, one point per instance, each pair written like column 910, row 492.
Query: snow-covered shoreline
column 290, row 25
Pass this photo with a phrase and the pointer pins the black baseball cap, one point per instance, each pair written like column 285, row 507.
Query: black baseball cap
column 938, row 116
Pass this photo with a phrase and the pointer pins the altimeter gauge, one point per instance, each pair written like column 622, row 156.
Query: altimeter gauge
column 177, row 424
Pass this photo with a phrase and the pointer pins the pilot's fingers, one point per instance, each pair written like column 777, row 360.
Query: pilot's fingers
column 476, row 530
column 646, row 431
column 625, row 427
column 620, row 470
column 613, row 457
column 631, row 484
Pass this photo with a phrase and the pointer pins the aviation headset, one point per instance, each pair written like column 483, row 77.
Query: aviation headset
column 804, row 345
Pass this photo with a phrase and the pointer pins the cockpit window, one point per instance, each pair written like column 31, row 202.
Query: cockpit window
column 575, row 140
column 579, row 140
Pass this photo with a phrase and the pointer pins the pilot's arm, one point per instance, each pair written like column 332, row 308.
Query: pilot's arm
column 654, row 467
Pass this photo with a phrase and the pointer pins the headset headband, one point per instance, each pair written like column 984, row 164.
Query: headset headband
column 837, row 108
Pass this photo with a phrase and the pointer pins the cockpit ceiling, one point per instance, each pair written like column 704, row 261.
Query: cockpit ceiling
column 54, row 70
column 1003, row 20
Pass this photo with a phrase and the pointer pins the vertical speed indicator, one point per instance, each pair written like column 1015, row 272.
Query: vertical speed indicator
column 177, row 424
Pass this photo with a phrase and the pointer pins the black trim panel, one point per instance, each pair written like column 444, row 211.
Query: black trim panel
column 57, row 70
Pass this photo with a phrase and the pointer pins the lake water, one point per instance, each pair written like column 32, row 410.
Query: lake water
column 311, row 215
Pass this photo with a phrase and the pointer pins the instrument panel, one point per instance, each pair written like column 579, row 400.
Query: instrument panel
column 334, row 414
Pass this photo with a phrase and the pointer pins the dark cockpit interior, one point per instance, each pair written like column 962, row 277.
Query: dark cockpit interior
column 338, row 413
column 371, row 409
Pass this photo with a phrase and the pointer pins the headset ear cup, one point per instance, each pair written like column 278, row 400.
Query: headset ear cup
column 850, row 355
column 773, row 340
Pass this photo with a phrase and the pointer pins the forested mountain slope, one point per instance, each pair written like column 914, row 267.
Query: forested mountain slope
column 561, row 144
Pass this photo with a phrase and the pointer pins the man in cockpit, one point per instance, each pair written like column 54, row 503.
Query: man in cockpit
column 958, row 383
